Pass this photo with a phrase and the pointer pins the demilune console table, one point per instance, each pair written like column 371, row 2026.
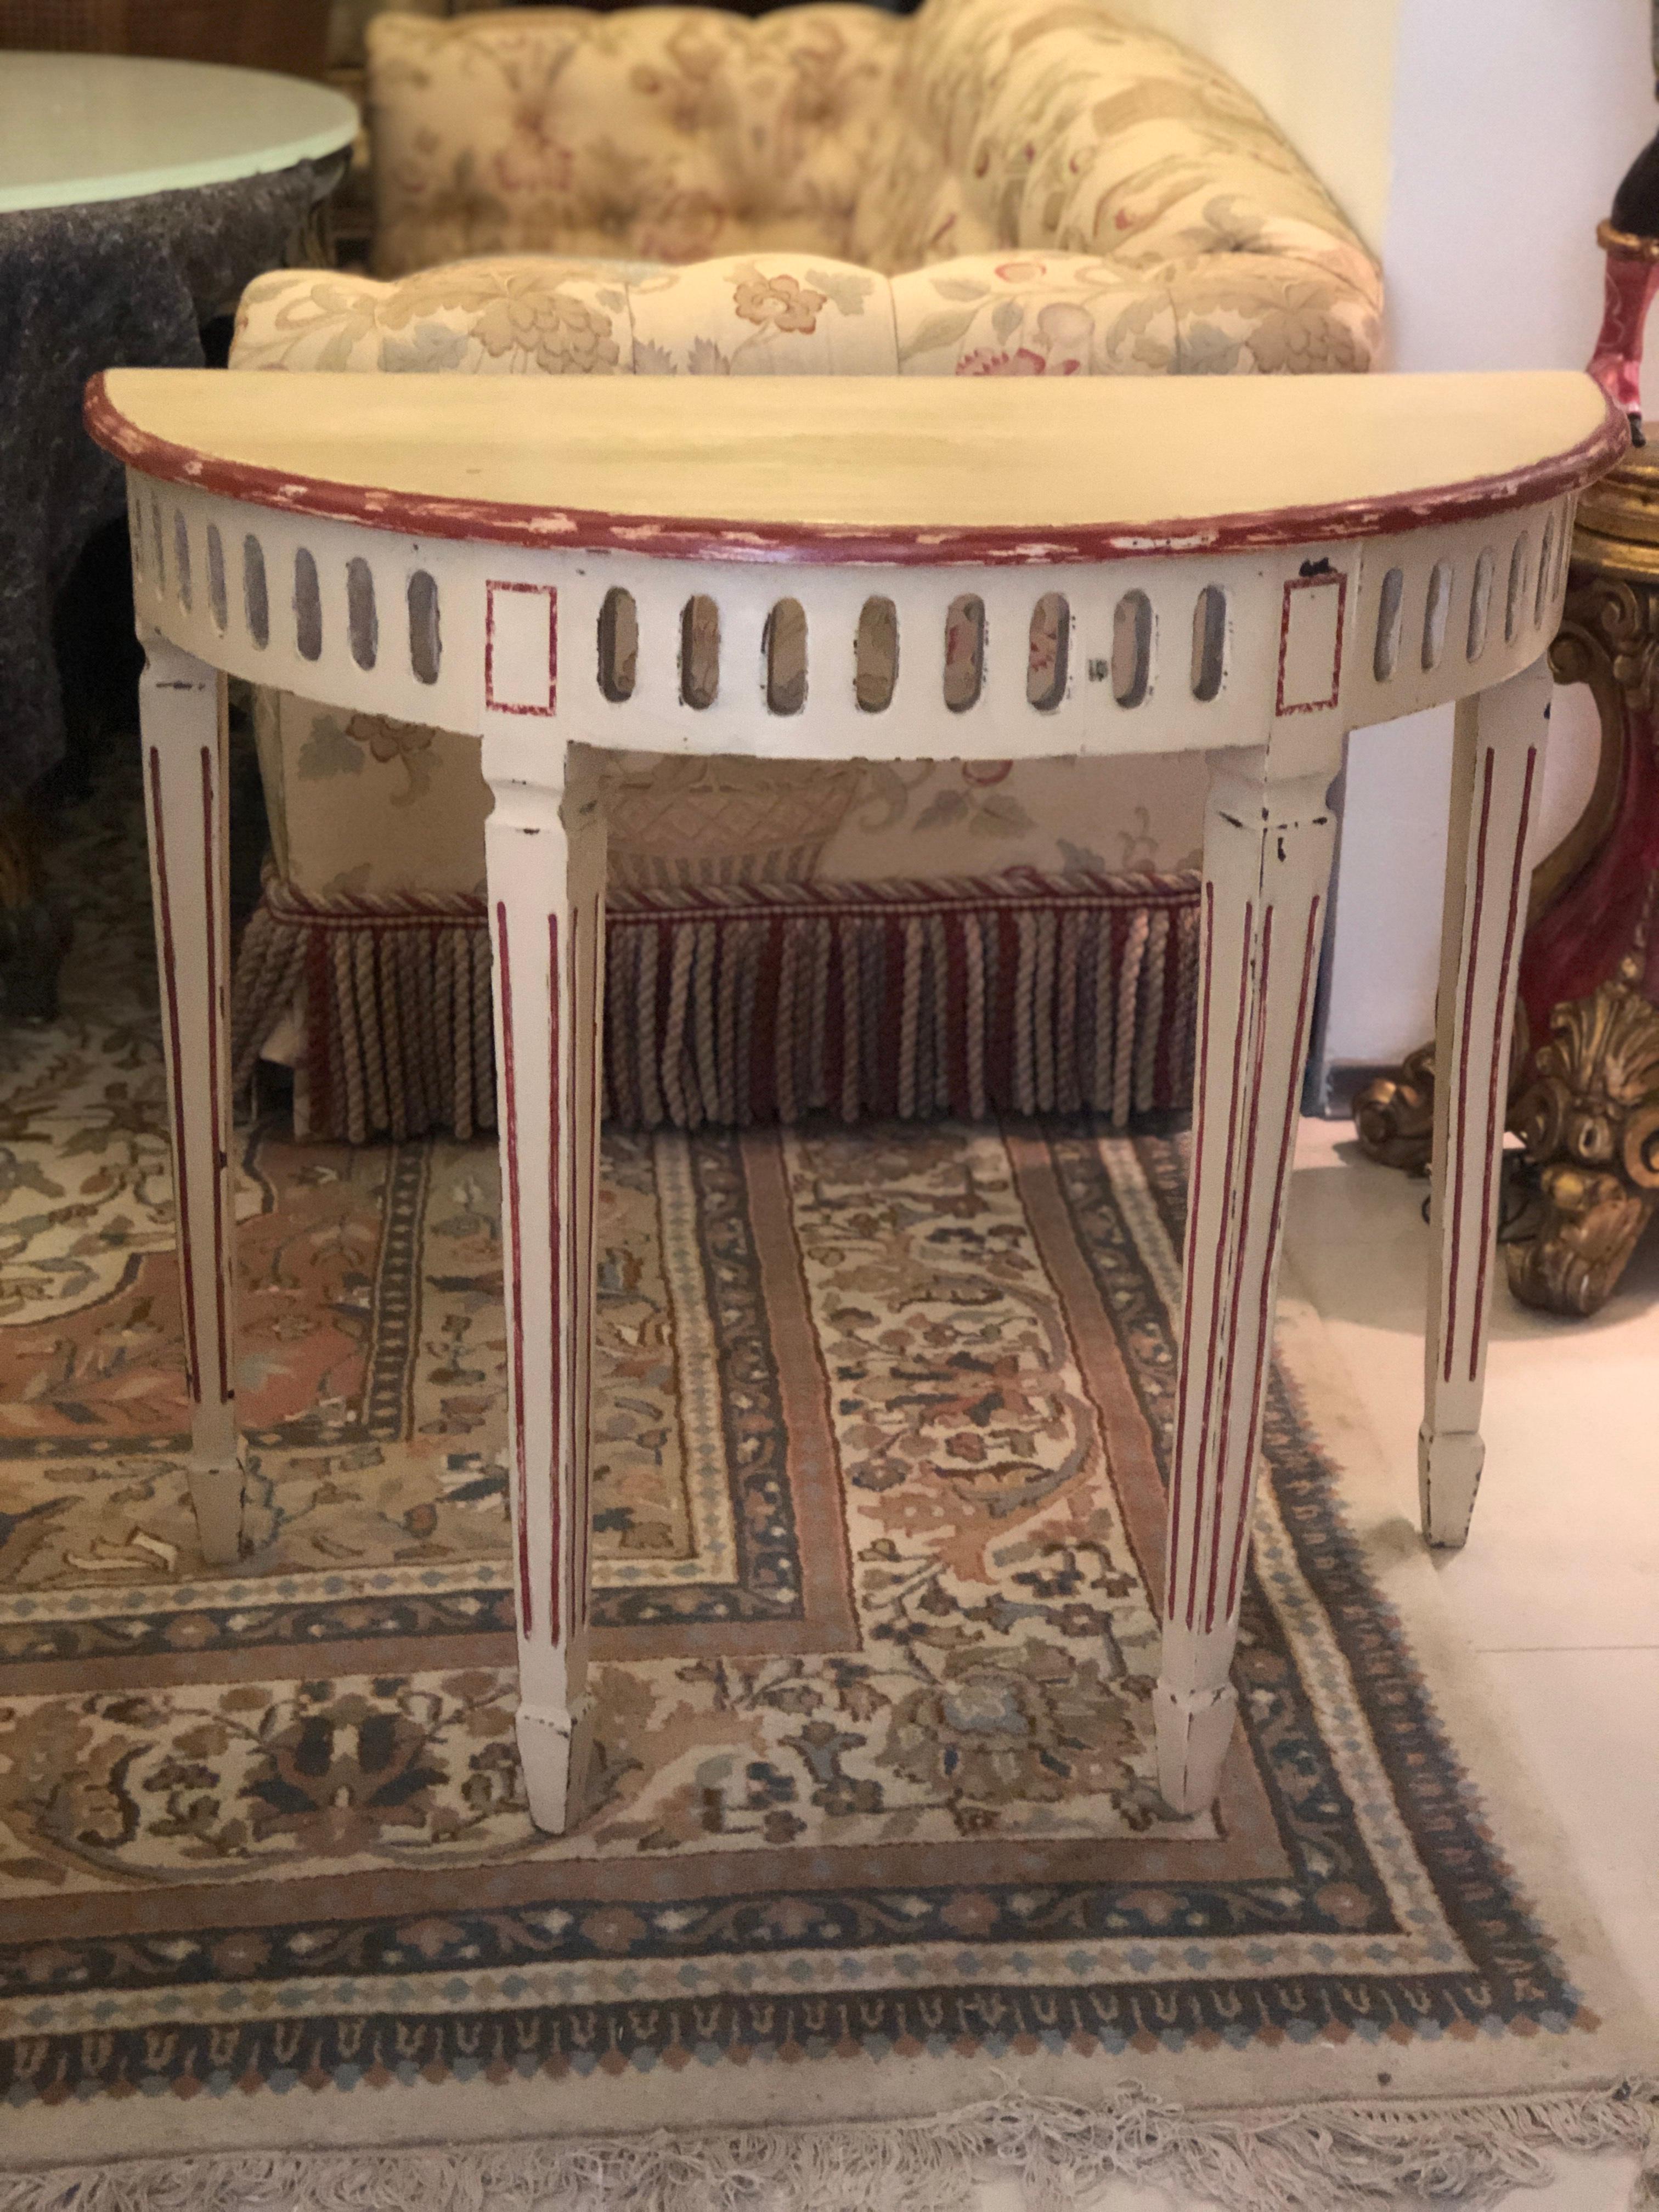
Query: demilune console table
column 1246, row 567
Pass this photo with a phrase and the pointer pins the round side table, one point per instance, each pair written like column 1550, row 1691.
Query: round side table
column 137, row 198
column 76, row 129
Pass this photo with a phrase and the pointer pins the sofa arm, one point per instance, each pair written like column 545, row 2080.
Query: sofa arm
column 1065, row 314
column 1028, row 131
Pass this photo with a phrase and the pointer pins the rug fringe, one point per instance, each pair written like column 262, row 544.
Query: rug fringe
column 1311, row 2158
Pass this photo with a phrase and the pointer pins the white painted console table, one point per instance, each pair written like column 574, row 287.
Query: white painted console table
column 1246, row 567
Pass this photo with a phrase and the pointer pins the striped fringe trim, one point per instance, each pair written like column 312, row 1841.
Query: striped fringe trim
column 1022, row 993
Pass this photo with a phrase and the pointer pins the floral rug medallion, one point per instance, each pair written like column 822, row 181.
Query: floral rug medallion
column 874, row 1828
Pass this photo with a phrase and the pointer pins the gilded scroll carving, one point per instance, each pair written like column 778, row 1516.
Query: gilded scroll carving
column 1587, row 1108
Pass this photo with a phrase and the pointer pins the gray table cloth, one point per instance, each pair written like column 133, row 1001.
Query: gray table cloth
column 116, row 283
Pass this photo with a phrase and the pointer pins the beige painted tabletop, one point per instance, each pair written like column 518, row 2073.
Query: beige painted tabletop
column 1102, row 467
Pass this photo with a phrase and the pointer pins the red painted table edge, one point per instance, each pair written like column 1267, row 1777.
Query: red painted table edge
column 825, row 545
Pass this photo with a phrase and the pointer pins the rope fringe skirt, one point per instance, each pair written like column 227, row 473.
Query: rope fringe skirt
column 1022, row 993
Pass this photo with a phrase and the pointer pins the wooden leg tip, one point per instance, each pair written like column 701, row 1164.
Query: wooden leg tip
column 554, row 1751
column 1448, row 1477
column 1194, row 1729
column 216, row 1494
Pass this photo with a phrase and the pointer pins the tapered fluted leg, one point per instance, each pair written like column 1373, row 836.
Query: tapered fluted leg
column 1266, row 862
column 1497, row 776
column 546, row 874
column 181, row 703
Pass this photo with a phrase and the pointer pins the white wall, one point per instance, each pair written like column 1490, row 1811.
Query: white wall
column 1324, row 71
column 1513, row 121
column 1475, row 144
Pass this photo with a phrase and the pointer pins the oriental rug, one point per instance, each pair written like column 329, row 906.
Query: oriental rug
column 875, row 1831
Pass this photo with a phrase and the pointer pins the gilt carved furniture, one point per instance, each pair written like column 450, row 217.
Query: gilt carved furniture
column 1585, row 1102
column 1589, row 1113
column 995, row 188
column 1243, row 569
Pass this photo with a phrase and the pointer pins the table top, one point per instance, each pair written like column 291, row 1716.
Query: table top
column 76, row 128
column 891, row 469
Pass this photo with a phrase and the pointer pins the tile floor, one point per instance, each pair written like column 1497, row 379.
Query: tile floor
column 1559, row 1587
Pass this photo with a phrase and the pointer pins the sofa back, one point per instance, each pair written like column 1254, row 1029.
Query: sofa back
column 656, row 134
column 677, row 134
column 1051, row 125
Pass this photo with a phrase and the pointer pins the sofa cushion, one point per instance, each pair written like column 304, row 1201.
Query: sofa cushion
column 757, row 314
column 548, row 315
column 764, row 314
column 994, row 314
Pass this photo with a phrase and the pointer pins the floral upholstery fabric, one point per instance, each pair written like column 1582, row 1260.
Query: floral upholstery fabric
column 752, row 314
column 1039, row 129
column 763, row 314
column 364, row 806
column 549, row 316
column 1062, row 314
column 1050, row 126
column 1013, row 188
column 1009, row 314
column 664, row 134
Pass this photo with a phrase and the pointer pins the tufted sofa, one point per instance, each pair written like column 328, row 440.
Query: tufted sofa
column 990, row 187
